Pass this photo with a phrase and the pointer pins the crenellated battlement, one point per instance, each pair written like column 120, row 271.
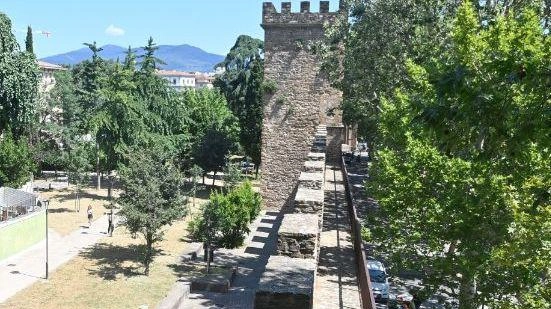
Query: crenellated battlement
column 304, row 17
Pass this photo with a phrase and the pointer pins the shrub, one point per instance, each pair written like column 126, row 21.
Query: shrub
column 226, row 217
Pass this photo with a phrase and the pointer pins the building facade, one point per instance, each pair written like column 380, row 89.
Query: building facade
column 47, row 78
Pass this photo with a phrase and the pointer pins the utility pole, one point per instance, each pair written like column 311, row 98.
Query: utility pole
column 46, row 203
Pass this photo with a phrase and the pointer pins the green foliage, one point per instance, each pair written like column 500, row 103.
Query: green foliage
column 29, row 41
column 152, row 195
column 213, row 127
column 366, row 234
column 16, row 163
column 19, row 80
column 269, row 87
column 232, row 175
column 454, row 99
column 211, row 151
column 196, row 172
column 242, row 85
column 225, row 219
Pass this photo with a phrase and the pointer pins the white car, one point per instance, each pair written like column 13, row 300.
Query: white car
column 379, row 280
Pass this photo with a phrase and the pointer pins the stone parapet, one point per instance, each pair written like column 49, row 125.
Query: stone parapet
column 304, row 17
column 298, row 236
column 308, row 201
column 311, row 180
column 316, row 156
column 314, row 166
column 286, row 283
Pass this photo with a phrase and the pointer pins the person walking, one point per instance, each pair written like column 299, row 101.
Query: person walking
column 90, row 215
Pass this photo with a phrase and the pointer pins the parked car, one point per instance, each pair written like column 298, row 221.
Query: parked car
column 379, row 280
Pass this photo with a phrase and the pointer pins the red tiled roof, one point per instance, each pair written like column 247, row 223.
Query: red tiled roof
column 51, row 66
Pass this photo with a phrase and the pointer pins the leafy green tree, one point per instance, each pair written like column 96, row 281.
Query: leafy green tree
column 89, row 77
column 232, row 175
column 78, row 165
column 211, row 126
column 29, row 41
column 119, row 121
column 196, row 173
column 225, row 219
column 462, row 170
column 241, row 84
column 152, row 196
column 211, row 152
column 250, row 117
column 19, row 80
column 16, row 163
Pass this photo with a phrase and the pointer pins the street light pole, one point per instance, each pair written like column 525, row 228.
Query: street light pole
column 46, row 202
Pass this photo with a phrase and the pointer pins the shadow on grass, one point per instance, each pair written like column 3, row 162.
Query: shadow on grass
column 113, row 260
column 59, row 210
column 83, row 194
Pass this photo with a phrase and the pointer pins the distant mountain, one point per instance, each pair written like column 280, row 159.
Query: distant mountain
column 177, row 57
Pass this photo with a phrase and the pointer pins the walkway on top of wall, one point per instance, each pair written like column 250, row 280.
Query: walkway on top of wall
column 336, row 281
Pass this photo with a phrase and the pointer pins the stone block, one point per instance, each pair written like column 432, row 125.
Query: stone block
column 314, row 166
column 311, row 180
column 318, row 148
column 298, row 235
column 308, row 200
column 316, row 156
column 286, row 283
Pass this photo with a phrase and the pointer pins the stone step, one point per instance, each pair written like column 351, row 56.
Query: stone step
column 286, row 283
column 311, row 180
column 316, row 156
column 298, row 236
column 308, row 200
column 314, row 166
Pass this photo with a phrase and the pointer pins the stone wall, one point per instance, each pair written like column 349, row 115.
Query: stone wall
column 336, row 136
column 288, row 281
column 302, row 100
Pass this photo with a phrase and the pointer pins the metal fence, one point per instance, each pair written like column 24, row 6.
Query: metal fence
column 16, row 203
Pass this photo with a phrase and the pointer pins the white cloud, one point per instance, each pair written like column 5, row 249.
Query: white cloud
column 114, row 31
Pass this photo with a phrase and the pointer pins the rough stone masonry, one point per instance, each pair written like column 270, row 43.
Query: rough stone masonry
column 302, row 100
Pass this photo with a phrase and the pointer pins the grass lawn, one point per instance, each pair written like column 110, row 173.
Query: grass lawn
column 63, row 216
column 110, row 275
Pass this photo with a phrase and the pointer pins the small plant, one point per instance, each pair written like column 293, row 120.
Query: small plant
column 366, row 234
column 290, row 111
column 269, row 87
column 300, row 44
column 280, row 101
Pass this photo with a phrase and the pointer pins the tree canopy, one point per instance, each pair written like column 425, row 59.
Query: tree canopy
column 19, row 80
column 454, row 101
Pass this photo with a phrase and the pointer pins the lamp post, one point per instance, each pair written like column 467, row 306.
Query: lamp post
column 46, row 203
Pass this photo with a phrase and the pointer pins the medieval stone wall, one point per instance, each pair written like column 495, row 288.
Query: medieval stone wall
column 302, row 100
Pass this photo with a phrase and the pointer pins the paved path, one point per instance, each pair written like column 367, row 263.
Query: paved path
column 336, row 281
column 25, row 268
column 251, row 258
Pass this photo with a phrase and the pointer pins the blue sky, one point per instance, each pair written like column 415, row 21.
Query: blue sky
column 212, row 25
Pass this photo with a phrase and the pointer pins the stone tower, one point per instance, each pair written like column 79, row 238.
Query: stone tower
column 302, row 99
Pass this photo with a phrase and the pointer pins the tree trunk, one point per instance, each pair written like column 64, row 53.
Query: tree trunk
column 97, row 167
column 204, row 178
column 467, row 293
column 208, row 257
column 213, row 178
column 148, row 254
column 256, row 171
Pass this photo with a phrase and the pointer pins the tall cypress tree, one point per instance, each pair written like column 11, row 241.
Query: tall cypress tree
column 29, row 41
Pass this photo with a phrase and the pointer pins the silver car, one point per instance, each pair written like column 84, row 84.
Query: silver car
column 379, row 280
